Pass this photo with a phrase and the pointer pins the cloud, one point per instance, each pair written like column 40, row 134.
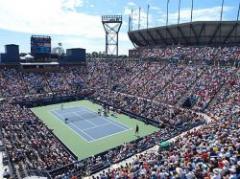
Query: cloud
column 155, row 8
column 201, row 14
column 55, row 17
column 205, row 14
column 72, row 4
column 63, row 18
column 49, row 17
column 131, row 4
column 133, row 11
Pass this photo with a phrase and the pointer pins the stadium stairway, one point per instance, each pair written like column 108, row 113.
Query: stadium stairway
column 221, row 83
column 144, row 75
column 49, row 86
column 213, row 100
column 92, row 72
column 125, row 162
column 222, row 92
column 154, row 75
column 168, row 83
column 2, row 167
column 188, row 92
column 23, row 82
column 135, row 76
column 154, row 149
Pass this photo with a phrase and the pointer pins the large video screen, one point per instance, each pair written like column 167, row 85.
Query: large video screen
column 40, row 45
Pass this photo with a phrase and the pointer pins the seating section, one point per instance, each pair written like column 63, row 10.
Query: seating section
column 208, row 54
column 15, row 82
column 30, row 144
column 212, row 152
column 11, row 83
column 180, row 85
column 209, row 84
column 152, row 91
column 36, row 83
column 162, row 114
column 228, row 99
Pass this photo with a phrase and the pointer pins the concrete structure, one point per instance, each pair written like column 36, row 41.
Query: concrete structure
column 202, row 33
column 75, row 55
column 11, row 54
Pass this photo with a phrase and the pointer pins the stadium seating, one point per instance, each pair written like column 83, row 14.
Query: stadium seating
column 193, row 53
column 149, row 90
column 30, row 144
column 212, row 152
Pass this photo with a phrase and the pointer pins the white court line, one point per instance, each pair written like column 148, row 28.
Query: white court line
column 110, row 120
column 80, row 116
column 81, row 130
column 75, row 126
column 85, row 120
column 86, row 110
column 69, row 107
column 96, row 127
column 115, row 123
column 101, row 138
column 67, row 112
column 69, row 127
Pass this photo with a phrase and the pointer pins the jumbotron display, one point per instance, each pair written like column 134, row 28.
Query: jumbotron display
column 40, row 46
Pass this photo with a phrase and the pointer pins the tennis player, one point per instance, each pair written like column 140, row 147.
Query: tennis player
column 137, row 130
column 99, row 112
column 66, row 120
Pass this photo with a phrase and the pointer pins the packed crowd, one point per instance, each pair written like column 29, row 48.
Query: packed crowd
column 169, row 83
column 210, row 152
column 228, row 99
column 11, row 83
column 193, row 53
column 209, row 85
column 36, row 83
column 151, row 91
column 30, row 144
column 160, row 113
column 163, row 82
column 15, row 82
column 175, row 122
column 180, row 84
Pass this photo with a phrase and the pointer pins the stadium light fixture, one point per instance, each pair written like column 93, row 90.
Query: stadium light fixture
column 139, row 18
column 192, row 12
column 148, row 15
column 221, row 16
column 112, row 25
column 179, row 10
column 167, row 12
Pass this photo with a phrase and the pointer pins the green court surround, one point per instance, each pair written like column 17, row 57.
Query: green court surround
column 79, row 146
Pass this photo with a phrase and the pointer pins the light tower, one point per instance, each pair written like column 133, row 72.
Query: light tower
column 112, row 25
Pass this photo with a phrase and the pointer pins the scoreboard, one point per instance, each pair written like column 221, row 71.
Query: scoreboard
column 40, row 46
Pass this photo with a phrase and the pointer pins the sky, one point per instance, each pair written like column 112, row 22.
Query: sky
column 77, row 23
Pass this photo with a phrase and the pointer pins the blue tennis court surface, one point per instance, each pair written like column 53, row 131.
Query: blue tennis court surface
column 88, row 124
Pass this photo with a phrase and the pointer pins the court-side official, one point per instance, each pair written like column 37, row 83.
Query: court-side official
column 99, row 112
column 66, row 120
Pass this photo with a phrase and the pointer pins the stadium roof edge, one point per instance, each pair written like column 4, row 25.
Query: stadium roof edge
column 192, row 33
column 187, row 23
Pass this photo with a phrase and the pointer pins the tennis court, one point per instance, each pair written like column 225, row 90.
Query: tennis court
column 86, row 133
column 88, row 124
